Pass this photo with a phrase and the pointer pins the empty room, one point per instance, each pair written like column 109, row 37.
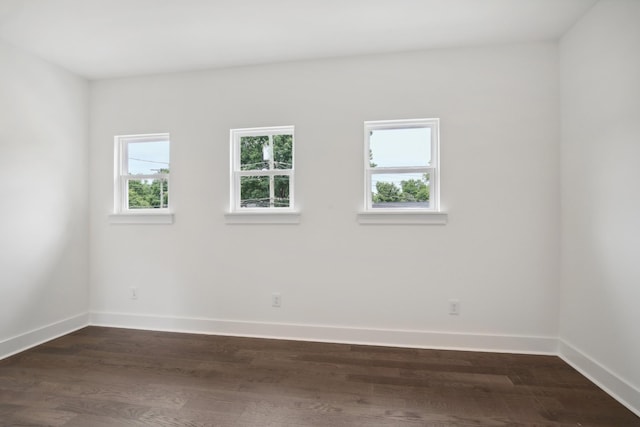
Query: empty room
column 319, row 213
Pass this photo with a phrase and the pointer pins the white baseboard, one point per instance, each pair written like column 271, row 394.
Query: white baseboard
column 615, row 386
column 333, row 334
column 41, row 335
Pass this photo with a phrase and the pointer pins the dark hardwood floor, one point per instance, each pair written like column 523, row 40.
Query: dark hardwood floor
column 99, row 377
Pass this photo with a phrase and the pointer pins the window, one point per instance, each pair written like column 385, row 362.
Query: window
column 142, row 174
column 262, row 169
column 401, row 166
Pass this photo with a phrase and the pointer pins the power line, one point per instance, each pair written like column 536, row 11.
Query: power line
column 148, row 161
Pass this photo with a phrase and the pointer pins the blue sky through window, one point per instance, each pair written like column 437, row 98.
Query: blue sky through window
column 148, row 157
column 401, row 147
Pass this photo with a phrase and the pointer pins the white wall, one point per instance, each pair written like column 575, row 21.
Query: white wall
column 600, row 319
column 499, row 110
column 44, row 192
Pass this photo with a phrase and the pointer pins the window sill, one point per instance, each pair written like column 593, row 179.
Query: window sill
column 141, row 218
column 262, row 217
column 402, row 218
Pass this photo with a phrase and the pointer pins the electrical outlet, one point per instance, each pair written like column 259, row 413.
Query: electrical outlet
column 276, row 300
column 133, row 292
column 454, row 307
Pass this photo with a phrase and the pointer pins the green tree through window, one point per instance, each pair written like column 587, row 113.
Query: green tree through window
column 149, row 194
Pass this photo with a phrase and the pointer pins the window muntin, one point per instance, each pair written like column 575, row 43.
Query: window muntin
column 401, row 165
column 142, row 173
column 262, row 169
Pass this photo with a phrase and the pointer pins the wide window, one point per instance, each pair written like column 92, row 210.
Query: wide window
column 262, row 169
column 142, row 173
column 401, row 165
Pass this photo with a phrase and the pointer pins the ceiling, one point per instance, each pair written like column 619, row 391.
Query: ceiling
column 109, row 38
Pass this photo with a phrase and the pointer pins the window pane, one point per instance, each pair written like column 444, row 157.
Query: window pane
column 146, row 158
column 254, row 153
column 281, row 192
column 148, row 193
column 400, row 147
column 256, row 191
column 283, row 151
column 406, row 190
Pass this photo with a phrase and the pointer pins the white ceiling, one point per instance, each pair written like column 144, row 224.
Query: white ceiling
column 109, row 38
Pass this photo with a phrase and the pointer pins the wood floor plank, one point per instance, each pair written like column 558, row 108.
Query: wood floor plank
column 43, row 417
column 98, row 377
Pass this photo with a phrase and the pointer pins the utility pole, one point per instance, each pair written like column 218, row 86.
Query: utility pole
column 272, row 186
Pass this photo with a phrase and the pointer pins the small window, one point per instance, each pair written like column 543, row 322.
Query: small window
column 262, row 169
column 142, row 173
column 401, row 165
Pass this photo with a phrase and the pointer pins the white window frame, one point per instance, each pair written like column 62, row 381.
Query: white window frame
column 237, row 213
column 122, row 214
column 408, row 215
